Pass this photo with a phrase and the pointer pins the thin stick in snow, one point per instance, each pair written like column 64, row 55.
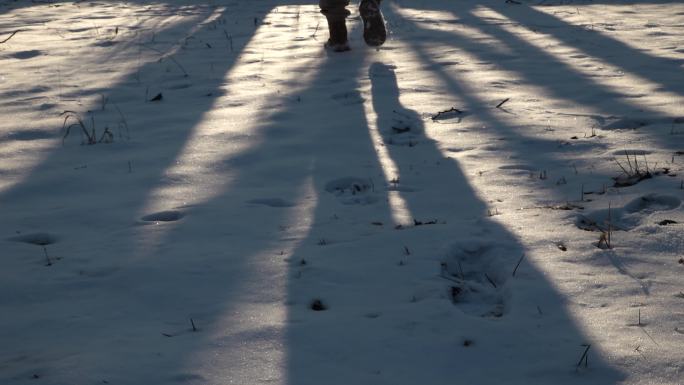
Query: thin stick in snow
column 47, row 257
column 518, row 265
column 440, row 114
column 502, row 102
column 10, row 36
column 313, row 35
column 165, row 55
column 450, row 279
column 643, row 329
column 610, row 220
column 490, row 280
column 229, row 38
column 123, row 121
column 460, row 270
column 585, row 356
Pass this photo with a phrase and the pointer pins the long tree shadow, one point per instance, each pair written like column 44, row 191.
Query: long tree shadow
column 554, row 76
column 472, row 102
column 659, row 70
column 101, row 292
column 534, row 67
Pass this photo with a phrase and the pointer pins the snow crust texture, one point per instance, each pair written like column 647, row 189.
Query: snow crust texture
column 197, row 192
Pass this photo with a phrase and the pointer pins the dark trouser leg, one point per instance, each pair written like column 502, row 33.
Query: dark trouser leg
column 335, row 12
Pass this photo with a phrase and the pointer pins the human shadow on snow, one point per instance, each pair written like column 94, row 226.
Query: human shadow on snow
column 376, row 328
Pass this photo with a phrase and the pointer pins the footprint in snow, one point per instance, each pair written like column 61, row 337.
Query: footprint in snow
column 352, row 190
column 349, row 98
column 632, row 123
column 105, row 43
column 29, row 134
column 632, row 152
column 628, row 217
column 478, row 281
column 519, row 169
column 23, row 55
column 39, row 239
column 164, row 216
column 271, row 202
column 459, row 149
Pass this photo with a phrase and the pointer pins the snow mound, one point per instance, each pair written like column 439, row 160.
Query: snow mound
column 628, row 217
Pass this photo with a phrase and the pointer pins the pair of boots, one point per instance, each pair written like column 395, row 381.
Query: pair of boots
column 374, row 32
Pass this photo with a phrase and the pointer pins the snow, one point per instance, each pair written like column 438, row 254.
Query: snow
column 282, row 214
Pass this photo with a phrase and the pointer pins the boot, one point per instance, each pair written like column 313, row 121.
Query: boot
column 338, row 34
column 374, row 32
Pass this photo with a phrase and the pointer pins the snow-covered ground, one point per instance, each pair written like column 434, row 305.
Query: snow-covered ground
column 197, row 192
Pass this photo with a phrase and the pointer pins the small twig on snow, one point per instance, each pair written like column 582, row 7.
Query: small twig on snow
column 585, row 356
column 504, row 101
column 10, row 36
column 79, row 122
column 123, row 122
column 490, row 280
column 47, row 257
column 442, row 113
column 518, row 265
column 313, row 35
column 107, row 136
column 166, row 55
column 229, row 38
column 460, row 270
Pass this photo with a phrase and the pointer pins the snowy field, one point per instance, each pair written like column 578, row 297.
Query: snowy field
column 198, row 193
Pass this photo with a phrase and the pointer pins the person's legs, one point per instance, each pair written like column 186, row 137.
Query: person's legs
column 335, row 12
column 334, row 7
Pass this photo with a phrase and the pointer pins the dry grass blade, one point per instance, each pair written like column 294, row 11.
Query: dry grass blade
column 67, row 129
column 10, row 36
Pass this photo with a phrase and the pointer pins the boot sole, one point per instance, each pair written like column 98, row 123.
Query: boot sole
column 374, row 32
